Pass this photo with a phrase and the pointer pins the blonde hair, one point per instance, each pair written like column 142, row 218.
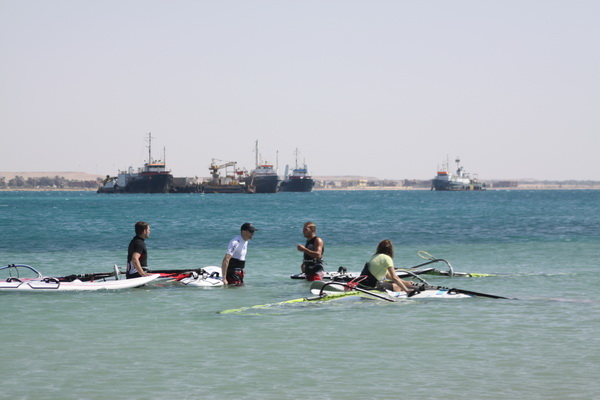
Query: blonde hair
column 312, row 225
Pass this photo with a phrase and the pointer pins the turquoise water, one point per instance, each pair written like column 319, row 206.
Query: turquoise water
column 168, row 341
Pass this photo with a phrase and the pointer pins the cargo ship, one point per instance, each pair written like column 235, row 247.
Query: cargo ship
column 447, row 181
column 298, row 181
column 263, row 178
column 230, row 183
column 152, row 178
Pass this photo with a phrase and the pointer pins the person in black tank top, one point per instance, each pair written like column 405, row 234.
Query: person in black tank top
column 137, row 254
column 312, row 261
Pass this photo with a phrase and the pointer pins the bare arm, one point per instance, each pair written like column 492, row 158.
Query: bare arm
column 135, row 260
column 391, row 274
column 225, row 267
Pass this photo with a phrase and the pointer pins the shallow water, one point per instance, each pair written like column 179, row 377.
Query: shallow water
column 168, row 341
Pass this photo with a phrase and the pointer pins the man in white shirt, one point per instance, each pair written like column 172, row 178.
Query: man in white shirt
column 232, row 267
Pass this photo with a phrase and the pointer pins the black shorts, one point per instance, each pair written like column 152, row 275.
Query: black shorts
column 369, row 282
column 314, row 272
column 377, row 285
column 235, row 276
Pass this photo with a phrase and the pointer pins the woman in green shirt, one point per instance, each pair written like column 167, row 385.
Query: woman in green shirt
column 380, row 266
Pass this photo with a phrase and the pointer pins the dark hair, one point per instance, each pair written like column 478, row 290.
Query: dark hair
column 140, row 227
column 248, row 227
column 385, row 247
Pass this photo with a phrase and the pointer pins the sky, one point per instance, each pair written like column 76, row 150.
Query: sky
column 380, row 88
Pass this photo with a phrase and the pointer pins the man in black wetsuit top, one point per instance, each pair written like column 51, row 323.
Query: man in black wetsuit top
column 137, row 254
column 312, row 263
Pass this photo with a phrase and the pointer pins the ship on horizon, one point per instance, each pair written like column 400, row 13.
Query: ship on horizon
column 263, row 178
column 461, row 180
column 152, row 178
column 298, row 181
column 232, row 182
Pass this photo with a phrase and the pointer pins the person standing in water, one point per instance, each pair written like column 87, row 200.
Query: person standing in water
column 232, row 267
column 312, row 262
column 137, row 254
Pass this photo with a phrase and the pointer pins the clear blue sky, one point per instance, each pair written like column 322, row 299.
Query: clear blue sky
column 376, row 88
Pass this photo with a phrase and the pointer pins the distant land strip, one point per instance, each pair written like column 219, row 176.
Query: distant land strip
column 71, row 180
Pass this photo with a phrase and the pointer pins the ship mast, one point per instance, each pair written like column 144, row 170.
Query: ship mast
column 256, row 155
column 149, row 147
column 296, row 154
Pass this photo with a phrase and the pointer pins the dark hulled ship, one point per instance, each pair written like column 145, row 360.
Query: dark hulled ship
column 152, row 178
column 298, row 181
column 263, row 178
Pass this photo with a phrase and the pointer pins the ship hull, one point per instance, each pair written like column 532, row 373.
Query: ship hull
column 195, row 188
column 263, row 184
column 150, row 184
column 224, row 189
column 297, row 185
column 159, row 183
column 445, row 185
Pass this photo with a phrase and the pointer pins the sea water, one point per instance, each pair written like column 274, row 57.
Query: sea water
column 169, row 341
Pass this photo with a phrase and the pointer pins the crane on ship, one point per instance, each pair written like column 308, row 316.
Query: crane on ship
column 215, row 168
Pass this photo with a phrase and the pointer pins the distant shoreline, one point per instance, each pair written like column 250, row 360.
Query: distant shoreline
column 326, row 183
column 524, row 187
column 354, row 189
